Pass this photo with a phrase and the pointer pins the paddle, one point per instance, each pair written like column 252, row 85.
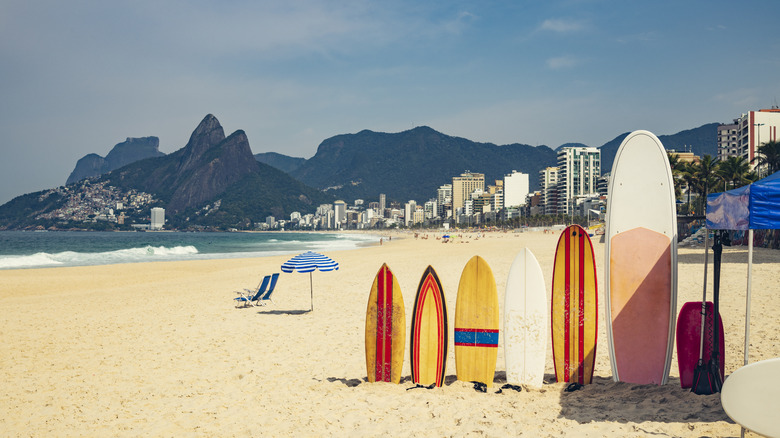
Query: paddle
column 701, row 379
column 717, row 250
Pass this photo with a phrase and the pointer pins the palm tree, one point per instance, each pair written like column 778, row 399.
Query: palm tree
column 706, row 177
column 735, row 171
column 769, row 155
column 688, row 174
column 678, row 168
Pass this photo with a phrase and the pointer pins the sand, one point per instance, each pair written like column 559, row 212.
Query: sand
column 159, row 349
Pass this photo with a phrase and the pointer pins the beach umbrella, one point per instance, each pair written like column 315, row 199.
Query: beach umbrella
column 308, row 262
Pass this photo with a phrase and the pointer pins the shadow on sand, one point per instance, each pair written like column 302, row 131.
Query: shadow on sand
column 284, row 312
column 607, row 400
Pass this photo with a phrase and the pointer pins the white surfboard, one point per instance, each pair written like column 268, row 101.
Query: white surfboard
column 641, row 261
column 526, row 319
column 750, row 397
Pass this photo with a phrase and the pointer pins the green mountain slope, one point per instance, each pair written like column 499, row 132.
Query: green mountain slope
column 412, row 164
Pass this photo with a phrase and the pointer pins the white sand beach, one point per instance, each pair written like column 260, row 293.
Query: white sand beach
column 158, row 349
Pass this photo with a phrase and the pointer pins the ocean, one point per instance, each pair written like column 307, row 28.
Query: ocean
column 25, row 249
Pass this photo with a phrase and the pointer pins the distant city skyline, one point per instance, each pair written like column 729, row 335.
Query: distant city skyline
column 78, row 78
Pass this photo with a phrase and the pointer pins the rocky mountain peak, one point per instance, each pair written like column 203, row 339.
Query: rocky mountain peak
column 122, row 154
column 208, row 134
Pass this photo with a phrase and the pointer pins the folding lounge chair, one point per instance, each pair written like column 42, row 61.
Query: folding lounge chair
column 266, row 297
column 249, row 297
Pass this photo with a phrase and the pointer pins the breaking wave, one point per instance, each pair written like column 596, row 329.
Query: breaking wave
column 71, row 258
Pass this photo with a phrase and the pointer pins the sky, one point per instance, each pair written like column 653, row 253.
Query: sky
column 78, row 77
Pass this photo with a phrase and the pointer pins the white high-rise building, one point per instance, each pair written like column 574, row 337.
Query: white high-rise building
column 548, row 182
column 431, row 209
column 444, row 199
column 754, row 129
column 516, row 189
column 579, row 169
column 158, row 218
column 340, row 213
column 409, row 209
column 728, row 146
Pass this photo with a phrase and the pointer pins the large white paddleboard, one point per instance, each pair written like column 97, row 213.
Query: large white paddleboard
column 525, row 321
column 641, row 261
column 750, row 397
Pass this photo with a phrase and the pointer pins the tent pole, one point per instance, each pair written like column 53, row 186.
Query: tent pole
column 747, row 295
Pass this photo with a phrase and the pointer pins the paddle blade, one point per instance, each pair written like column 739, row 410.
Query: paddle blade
column 704, row 381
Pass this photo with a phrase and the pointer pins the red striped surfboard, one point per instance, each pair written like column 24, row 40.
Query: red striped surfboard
column 385, row 329
column 428, row 345
column 574, row 307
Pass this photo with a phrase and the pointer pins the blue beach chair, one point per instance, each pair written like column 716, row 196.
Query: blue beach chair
column 248, row 297
column 266, row 297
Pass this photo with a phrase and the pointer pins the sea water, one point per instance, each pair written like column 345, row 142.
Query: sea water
column 25, row 249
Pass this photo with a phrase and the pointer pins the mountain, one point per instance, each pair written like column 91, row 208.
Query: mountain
column 282, row 162
column 213, row 181
column 412, row 164
column 129, row 151
column 204, row 168
column 214, row 167
column 700, row 141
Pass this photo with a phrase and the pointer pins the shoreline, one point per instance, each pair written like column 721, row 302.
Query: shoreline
column 159, row 349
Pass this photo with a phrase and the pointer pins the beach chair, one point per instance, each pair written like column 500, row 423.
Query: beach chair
column 248, row 297
column 266, row 297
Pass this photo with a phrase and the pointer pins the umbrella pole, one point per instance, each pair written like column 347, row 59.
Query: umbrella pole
column 311, row 289
column 747, row 295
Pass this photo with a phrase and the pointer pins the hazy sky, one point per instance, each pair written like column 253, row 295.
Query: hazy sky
column 78, row 77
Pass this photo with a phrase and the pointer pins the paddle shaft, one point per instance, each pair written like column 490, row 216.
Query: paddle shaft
column 704, row 297
column 717, row 250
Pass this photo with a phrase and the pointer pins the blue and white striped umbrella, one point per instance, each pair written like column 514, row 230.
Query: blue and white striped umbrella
column 308, row 262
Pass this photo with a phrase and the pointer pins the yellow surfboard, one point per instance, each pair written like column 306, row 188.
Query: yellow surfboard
column 574, row 307
column 476, row 323
column 385, row 329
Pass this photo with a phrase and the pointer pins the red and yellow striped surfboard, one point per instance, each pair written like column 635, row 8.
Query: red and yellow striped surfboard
column 428, row 345
column 574, row 307
column 385, row 329
column 476, row 323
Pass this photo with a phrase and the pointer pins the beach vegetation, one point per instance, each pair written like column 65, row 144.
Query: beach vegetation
column 735, row 172
column 769, row 155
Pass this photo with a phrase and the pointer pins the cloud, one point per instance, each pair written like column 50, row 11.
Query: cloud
column 561, row 25
column 561, row 62
column 458, row 24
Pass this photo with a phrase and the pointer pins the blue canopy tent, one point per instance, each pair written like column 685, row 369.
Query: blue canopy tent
column 752, row 207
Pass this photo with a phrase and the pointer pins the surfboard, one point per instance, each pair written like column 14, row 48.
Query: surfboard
column 476, row 323
column 385, row 329
column 525, row 321
column 428, row 344
column 689, row 340
column 749, row 397
column 641, row 261
column 574, row 307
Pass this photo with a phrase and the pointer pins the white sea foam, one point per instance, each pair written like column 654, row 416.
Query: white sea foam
column 40, row 259
column 71, row 258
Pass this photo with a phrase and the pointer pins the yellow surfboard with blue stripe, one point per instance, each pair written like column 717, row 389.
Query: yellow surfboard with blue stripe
column 476, row 323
